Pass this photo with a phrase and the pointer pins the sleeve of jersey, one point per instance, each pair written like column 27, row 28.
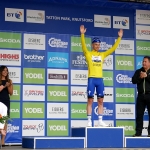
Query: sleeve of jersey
column 113, row 48
column 84, row 48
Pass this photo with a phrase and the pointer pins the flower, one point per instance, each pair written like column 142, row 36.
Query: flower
column 4, row 119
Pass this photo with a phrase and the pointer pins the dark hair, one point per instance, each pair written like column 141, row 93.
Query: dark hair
column 7, row 77
column 147, row 57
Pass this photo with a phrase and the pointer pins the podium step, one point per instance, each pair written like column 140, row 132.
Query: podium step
column 100, row 137
column 53, row 142
column 137, row 142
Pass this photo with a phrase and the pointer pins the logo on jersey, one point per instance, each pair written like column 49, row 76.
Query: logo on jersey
column 96, row 60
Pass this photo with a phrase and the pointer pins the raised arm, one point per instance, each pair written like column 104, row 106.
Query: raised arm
column 82, row 31
column 112, row 49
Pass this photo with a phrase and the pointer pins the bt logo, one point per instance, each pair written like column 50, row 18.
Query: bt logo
column 124, row 22
column 17, row 15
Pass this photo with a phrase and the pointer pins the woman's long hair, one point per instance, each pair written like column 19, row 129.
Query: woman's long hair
column 1, row 70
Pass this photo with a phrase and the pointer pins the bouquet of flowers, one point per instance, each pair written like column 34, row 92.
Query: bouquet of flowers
column 4, row 119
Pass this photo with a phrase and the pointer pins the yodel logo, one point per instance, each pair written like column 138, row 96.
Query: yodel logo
column 57, row 43
column 34, row 75
column 124, row 63
column 57, row 128
column 127, row 128
column 120, row 78
column 15, row 92
column 34, row 110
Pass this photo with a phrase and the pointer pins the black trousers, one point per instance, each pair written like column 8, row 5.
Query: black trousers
column 143, row 100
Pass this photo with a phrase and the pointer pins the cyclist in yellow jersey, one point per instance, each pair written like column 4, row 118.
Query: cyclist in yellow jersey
column 95, row 75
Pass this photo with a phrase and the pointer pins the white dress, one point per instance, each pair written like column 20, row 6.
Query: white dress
column 3, row 112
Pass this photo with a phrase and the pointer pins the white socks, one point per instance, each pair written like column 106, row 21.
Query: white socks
column 100, row 118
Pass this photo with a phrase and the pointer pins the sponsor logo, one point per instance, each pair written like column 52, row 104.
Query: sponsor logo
column 12, row 128
column 124, row 77
column 34, row 41
column 78, row 60
column 33, row 93
column 16, row 93
column 57, row 76
column 11, row 58
column 14, row 15
column 57, row 110
column 142, row 17
column 108, row 78
column 121, row 22
column 102, row 21
column 57, row 43
column 33, row 110
column 106, row 112
column 142, row 32
column 108, row 93
column 142, row 47
column 120, row 78
column 139, row 61
column 79, row 77
column 129, row 126
column 78, row 111
column 57, row 128
column 125, row 111
column 76, row 45
column 33, row 75
column 57, row 93
column 125, row 47
column 37, row 59
column 10, row 40
column 125, row 95
column 78, row 94
column 57, row 60
column 33, row 127
column 108, row 63
column 124, row 62
column 14, row 74
column 105, row 46
column 35, row 16
column 15, row 110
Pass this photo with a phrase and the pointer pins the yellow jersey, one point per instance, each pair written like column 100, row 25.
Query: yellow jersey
column 95, row 59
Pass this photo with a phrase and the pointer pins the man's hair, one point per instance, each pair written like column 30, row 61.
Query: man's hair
column 147, row 57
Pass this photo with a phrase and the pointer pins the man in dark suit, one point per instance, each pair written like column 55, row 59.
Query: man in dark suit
column 141, row 77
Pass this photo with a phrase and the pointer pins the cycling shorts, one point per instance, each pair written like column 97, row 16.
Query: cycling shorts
column 95, row 83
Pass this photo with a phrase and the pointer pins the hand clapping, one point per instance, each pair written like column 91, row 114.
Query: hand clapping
column 143, row 74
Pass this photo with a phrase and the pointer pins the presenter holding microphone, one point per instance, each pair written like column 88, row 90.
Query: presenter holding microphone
column 141, row 77
column 95, row 60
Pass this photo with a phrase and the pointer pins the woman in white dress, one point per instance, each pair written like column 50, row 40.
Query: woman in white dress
column 3, row 112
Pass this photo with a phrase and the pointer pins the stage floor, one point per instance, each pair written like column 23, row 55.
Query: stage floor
column 20, row 148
